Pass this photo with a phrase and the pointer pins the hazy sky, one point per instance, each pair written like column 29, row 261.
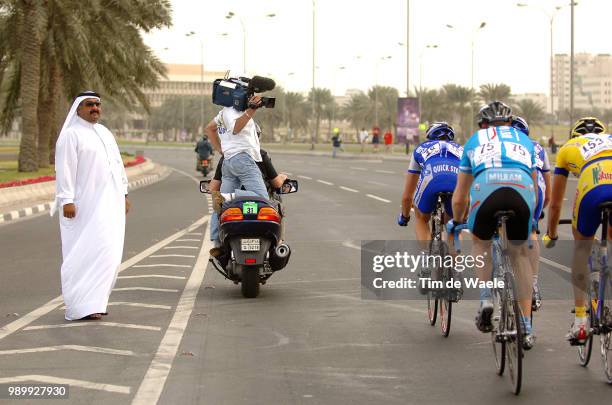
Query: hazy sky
column 513, row 48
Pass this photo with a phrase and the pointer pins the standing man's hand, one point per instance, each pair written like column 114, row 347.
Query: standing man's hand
column 69, row 210
column 127, row 205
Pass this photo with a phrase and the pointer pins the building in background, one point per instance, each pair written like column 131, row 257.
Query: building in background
column 592, row 86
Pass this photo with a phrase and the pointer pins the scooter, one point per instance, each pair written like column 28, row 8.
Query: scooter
column 251, row 234
column 204, row 166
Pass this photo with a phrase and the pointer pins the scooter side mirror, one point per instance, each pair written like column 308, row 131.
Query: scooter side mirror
column 289, row 186
column 204, row 186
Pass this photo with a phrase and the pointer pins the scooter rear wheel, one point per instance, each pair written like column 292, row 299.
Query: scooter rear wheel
column 250, row 281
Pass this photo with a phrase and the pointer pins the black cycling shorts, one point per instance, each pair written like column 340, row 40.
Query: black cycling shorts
column 503, row 199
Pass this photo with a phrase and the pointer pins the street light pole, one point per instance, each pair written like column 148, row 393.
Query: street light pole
column 473, row 36
column 312, row 146
column 572, row 66
column 231, row 14
column 189, row 34
column 407, row 48
column 431, row 46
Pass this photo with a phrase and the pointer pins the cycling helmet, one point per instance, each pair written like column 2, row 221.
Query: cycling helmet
column 439, row 129
column 520, row 124
column 493, row 112
column 587, row 125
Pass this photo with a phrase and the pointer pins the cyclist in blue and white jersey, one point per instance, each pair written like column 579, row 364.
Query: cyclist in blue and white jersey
column 433, row 169
column 497, row 172
column 543, row 167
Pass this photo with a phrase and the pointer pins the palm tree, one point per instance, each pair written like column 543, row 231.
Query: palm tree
column 322, row 98
column 297, row 111
column 492, row 92
column 387, row 106
column 461, row 102
column 29, row 60
column 96, row 47
column 356, row 111
column 270, row 118
column 531, row 111
column 434, row 106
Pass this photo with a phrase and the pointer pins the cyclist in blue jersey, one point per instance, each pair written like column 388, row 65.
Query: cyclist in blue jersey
column 543, row 167
column 433, row 169
column 497, row 172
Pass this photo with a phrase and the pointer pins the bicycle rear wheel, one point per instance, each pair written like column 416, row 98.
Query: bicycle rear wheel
column 499, row 345
column 513, row 334
column 606, row 327
column 432, row 308
column 445, row 302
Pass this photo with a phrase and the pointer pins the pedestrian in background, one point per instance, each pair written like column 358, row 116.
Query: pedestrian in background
column 375, row 138
column 336, row 142
column 91, row 195
column 388, row 138
column 363, row 137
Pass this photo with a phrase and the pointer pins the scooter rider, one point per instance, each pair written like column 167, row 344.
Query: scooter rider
column 203, row 148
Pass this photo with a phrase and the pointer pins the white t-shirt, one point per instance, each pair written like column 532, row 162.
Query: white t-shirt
column 244, row 141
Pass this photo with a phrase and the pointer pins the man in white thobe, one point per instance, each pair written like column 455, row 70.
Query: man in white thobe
column 91, row 196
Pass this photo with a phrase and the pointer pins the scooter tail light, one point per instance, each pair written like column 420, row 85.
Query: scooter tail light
column 231, row 214
column 250, row 261
column 268, row 214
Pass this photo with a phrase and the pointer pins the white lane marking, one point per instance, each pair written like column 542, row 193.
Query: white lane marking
column 138, row 304
column 384, row 171
column 153, row 383
column 181, row 247
column 94, row 323
column 350, row 245
column 159, row 265
column 32, row 316
column 145, row 289
column 47, row 379
column 363, row 169
column 352, row 190
column 78, row 348
column 153, row 276
column 555, row 264
column 305, row 177
column 378, row 198
column 282, row 341
column 187, row 240
column 378, row 183
column 325, row 182
column 159, row 256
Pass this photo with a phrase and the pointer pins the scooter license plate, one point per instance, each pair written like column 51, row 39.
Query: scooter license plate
column 249, row 245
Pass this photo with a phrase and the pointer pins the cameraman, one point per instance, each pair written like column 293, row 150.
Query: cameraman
column 234, row 134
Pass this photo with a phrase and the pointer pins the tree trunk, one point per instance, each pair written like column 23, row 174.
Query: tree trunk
column 46, row 115
column 60, row 110
column 30, row 79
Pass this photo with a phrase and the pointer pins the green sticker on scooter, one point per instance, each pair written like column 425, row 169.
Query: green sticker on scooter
column 249, row 208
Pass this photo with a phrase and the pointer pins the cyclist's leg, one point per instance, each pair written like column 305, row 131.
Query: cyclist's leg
column 421, row 225
column 534, row 252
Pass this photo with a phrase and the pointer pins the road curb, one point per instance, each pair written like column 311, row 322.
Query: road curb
column 144, row 180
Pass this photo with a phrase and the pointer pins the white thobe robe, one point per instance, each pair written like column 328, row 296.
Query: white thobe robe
column 90, row 174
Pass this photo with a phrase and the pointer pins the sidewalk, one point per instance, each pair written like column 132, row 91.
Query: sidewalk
column 24, row 201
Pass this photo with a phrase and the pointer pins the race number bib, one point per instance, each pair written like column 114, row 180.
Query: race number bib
column 455, row 150
column 249, row 208
column 595, row 146
column 488, row 154
column 518, row 152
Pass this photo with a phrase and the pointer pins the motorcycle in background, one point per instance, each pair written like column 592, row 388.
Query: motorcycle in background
column 204, row 166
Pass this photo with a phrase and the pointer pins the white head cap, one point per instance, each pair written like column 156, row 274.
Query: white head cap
column 72, row 114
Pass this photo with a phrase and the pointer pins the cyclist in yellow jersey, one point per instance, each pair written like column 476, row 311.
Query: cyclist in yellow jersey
column 588, row 156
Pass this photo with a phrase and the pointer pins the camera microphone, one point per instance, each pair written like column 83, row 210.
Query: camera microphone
column 260, row 84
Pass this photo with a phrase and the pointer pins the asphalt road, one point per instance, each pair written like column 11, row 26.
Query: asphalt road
column 183, row 335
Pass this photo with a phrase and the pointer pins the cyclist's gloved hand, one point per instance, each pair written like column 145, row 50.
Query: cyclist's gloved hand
column 548, row 241
column 451, row 225
column 402, row 220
